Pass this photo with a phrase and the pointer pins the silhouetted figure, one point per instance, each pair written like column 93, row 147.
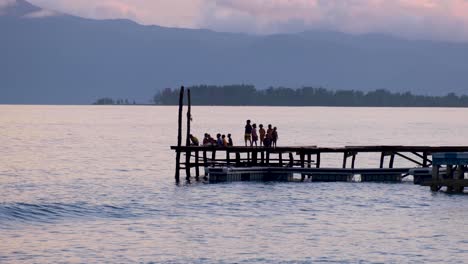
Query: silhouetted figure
column 269, row 136
column 254, row 135
column 219, row 140
column 262, row 133
column 248, row 133
column 206, row 140
column 225, row 142
column 194, row 141
column 274, row 136
column 230, row 143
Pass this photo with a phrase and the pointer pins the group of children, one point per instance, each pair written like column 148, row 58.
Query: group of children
column 220, row 140
column 268, row 138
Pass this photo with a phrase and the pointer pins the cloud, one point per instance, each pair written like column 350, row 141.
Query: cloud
column 41, row 13
column 6, row 3
column 436, row 19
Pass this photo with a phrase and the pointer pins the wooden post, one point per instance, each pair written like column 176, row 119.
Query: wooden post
column 179, row 135
column 188, row 153
column 382, row 159
column 459, row 175
column 197, row 165
column 450, row 175
column 213, row 158
column 309, row 160
column 205, row 159
column 345, row 158
column 317, row 163
column 262, row 157
column 302, row 155
column 281, row 159
column 228, row 158
column 353, row 161
column 205, row 164
column 238, row 161
column 267, row 158
column 254, row 158
column 291, row 159
column 392, row 160
column 425, row 161
column 435, row 178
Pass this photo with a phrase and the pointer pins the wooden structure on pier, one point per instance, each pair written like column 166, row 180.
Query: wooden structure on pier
column 448, row 171
column 279, row 163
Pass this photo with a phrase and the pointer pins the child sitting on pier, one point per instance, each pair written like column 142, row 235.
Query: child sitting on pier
column 194, row 140
column 219, row 140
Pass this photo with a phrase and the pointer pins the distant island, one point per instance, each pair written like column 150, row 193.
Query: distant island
column 248, row 95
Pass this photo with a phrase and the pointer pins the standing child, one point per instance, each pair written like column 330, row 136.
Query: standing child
column 274, row 136
column 225, row 142
column 254, row 134
column 230, row 143
column 248, row 133
column 262, row 134
column 269, row 136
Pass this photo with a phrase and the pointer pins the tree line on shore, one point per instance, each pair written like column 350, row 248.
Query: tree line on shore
column 248, row 95
column 110, row 101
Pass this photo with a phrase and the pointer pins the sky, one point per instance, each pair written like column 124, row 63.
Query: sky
column 415, row 19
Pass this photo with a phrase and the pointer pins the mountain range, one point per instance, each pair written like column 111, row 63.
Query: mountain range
column 52, row 58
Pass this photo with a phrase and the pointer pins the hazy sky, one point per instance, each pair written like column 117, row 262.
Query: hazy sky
column 437, row 19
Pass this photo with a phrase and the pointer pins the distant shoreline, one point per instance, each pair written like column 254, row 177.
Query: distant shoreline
column 248, row 95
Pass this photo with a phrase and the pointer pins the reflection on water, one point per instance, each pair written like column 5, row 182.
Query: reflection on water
column 94, row 184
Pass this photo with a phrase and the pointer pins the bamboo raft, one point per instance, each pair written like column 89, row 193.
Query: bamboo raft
column 434, row 166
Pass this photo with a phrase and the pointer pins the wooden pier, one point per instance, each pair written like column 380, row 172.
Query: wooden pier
column 239, row 163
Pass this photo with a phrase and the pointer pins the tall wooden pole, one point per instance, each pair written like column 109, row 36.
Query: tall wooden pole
column 189, row 119
column 179, row 135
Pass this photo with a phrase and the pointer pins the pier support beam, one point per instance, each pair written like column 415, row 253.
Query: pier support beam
column 317, row 162
column 197, row 165
column 435, row 177
column 188, row 154
column 179, row 135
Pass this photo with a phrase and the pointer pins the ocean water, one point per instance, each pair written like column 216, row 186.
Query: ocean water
column 95, row 184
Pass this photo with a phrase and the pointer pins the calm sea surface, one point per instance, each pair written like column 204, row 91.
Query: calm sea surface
column 87, row 184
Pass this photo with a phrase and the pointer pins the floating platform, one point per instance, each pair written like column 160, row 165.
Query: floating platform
column 286, row 174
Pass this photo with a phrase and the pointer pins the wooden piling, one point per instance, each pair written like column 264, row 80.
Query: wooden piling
column 353, row 161
column 382, row 159
column 238, row 161
column 392, row 160
column 197, row 166
column 425, row 160
column 213, row 158
column 345, row 157
column 317, row 162
column 435, row 178
column 254, row 158
column 188, row 153
column 179, row 134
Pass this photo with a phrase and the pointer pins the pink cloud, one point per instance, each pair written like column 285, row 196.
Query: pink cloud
column 439, row 19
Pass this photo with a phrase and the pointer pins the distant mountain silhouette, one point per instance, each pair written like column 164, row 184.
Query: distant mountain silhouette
column 64, row 59
column 20, row 9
